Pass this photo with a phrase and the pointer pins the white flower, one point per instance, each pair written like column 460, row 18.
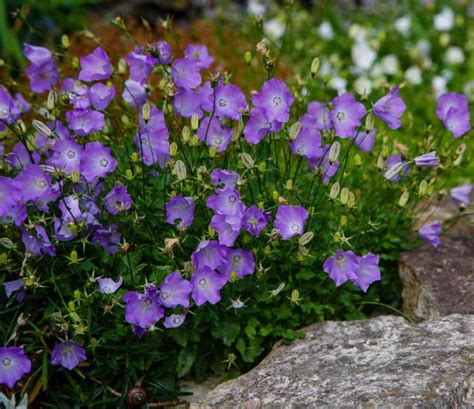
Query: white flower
column 363, row 55
column 274, row 28
column 256, row 8
column 325, row 30
column 454, row 55
column 444, row 20
column 413, row 75
column 403, row 25
column 425, row 47
column 390, row 64
column 339, row 84
column 468, row 90
column 363, row 85
column 439, row 85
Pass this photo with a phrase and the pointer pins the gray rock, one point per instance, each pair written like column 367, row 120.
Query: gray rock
column 384, row 362
column 440, row 281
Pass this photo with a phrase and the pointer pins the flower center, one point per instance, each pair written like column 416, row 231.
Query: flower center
column 252, row 221
column 165, row 295
column 341, row 116
column 176, row 320
column 295, row 228
column 277, row 101
column 6, row 362
column 71, row 154
column 4, row 113
column 387, row 106
column 236, row 260
column 232, row 199
column 340, row 259
column 300, row 149
column 107, row 289
column 217, row 140
column 268, row 125
column 104, row 163
column 196, row 54
column 222, row 102
column 203, row 282
column 41, row 183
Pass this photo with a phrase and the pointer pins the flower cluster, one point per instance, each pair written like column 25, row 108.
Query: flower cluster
column 165, row 192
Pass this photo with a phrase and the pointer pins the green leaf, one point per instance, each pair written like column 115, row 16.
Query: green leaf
column 185, row 362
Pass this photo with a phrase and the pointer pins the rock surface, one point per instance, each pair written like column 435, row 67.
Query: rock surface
column 384, row 362
column 440, row 281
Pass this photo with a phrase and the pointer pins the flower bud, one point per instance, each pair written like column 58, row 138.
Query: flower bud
column 73, row 257
column 134, row 157
column 335, row 188
column 289, row 184
column 212, row 151
column 211, row 231
column 295, row 130
column 357, row 159
column 180, row 169
column 248, row 57
column 247, row 160
column 306, row 238
column 343, row 221
column 393, row 171
column 351, row 200
column 404, row 199
column 194, row 140
column 20, row 126
column 315, row 64
column 75, row 176
column 52, row 100
column 173, row 149
column 295, row 296
column 334, row 151
column 275, row 195
column 423, row 188
column 380, row 161
column 186, row 133
column 369, row 122
column 42, row 128
column 65, row 41
column 146, row 112
column 262, row 167
column 344, row 195
column 194, row 122
column 121, row 66
column 77, row 295
column 125, row 120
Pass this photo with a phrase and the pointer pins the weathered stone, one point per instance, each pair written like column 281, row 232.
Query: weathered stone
column 384, row 362
column 440, row 281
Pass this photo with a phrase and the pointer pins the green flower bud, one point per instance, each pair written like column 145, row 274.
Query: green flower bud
column 351, row 200
column 289, row 184
column 357, row 159
column 248, row 57
column 295, row 130
column 315, row 64
column 186, row 133
column 343, row 221
column 212, row 151
column 52, row 100
column 121, row 66
column 73, row 257
column 129, row 174
column 423, row 188
column 173, row 149
column 247, row 160
column 194, row 122
column 75, row 176
column 125, row 120
column 262, row 167
column 180, row 169
column 335, row 189
column 380, row 161
column 306, row 238
column 344, row 195
column 369, row 122
column 65, row 41
column 334, row 151
column 146, row 112
column 404, row 199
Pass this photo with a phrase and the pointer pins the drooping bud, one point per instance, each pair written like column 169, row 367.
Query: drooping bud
column 380, row 161
column 121, row 66
column 294, row 130
column 357, row 159
column 334, row 152
column 75, row 176
column 343, row 221
column 335, row 188
column 351, row 200
column 42, row 128
column 315, row 64
column 73, row 258
column 212, row 151
column 146, row 112
column 247, row 160
column 289, row 184
column 369, row 122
